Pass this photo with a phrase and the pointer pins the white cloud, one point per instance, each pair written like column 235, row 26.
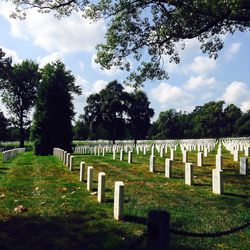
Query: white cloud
column 236, row 93
column 13, row 54
column 202, row 65
column 233, row 50
column 199, row 82
column 99, row 85
column 70, row 34
column 165, row 92
column 245, row 106
column 55, row 56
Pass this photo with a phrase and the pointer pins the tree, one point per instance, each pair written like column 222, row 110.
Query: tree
column 18, row 91
column 242, row 125
column 232, row 114
column 81, row 129
column 3, row 127
column 92, row 114
column 138, row 114
column 209, row 120
column 136, row 27
column 54, row 109
column 112, row 110
column 5, row 65
column 113, row 113
column 167, row 123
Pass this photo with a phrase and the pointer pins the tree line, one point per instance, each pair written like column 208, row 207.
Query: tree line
column 110, row 114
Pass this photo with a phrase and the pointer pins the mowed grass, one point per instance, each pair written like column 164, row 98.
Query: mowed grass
column 61, row 214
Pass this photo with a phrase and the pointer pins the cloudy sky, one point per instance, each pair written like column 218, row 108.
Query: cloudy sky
column 195, row 81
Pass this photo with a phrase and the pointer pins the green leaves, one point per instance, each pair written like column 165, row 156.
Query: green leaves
column 145, row 30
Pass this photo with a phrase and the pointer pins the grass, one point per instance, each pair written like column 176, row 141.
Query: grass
column 61, row 214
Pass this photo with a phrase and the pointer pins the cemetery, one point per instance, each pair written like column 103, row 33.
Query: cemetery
column 124, row 125
column 109, row 196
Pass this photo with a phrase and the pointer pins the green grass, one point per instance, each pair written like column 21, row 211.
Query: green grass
column 61, row 214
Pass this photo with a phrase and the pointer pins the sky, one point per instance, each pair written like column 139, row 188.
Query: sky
column 194, row 82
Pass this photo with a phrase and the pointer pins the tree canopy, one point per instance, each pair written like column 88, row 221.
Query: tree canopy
column 118, row 114
column 212, row 120
column 146, row 30
column 54, row 109
column 18, row 90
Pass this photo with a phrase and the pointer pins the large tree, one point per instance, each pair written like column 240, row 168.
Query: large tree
column 54, row 109
column 138, row 114
column 3, row 127
column 116, row 113
column 18, row 90
column 153, row 27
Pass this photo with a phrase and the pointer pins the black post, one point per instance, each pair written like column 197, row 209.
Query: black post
column 158, row 230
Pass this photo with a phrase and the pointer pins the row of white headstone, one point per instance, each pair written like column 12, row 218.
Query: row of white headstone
column 12, row 153
column 119, row 185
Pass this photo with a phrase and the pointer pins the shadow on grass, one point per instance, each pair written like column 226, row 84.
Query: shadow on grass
column 135, row 219
column 237, row 195
column 72, row 231
column 202, row 184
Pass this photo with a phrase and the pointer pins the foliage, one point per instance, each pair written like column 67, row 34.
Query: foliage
column 5, row 65
column 3, row 127
column 54, row 109
column 114, row 114
column 18, row 91
column 138, row 114
column 81, row 129
column 211, row 120
column 149, row 31
column 242, row 126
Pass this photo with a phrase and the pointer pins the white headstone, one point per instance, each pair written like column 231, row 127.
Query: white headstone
column 184, row 156
column 236, row 155
column 90, row 179
column 118, row 200
column 101, row 187
column 168, row 168
column 217, row 181
column 188, row 173
column 219, row 162
column 82, row 170
column 200, row 159
column 152, row 163
column 244, row 166
column 130, row 157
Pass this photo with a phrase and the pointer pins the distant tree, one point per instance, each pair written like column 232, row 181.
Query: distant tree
column 147, row 30
column 113, row 110
column 231, row 115
column 138, row 114
column 18, row 90
column 209, row 120
column 81, row 129
column 167, row 123
column 242, row 125
column 3, row 127
column 54, row 109
column 92, row 114
column 115, row 114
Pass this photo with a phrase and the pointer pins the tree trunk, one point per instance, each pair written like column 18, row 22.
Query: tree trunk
column 21, row 130
column 135, row 141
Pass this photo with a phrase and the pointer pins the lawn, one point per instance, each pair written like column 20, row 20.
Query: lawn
column 59, row 213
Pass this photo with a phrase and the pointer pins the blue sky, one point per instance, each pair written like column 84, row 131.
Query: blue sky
column 195, row 81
